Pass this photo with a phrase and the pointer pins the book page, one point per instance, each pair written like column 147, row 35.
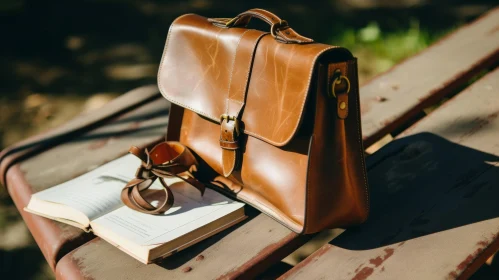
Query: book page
column 97, row 192
column 189, row 212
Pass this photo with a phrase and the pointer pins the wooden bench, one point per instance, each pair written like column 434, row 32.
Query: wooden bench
column 433, row 211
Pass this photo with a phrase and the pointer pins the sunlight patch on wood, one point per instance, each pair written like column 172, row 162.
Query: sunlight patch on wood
column 376, row 146
column 131, row 72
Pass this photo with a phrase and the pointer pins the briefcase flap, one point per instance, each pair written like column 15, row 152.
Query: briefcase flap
column 201, row 59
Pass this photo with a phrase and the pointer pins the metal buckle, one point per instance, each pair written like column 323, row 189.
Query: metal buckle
column 231, row 118
column 231, row 22
column 337, row 81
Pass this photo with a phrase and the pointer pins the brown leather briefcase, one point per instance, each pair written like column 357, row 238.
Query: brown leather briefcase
column 272, row 117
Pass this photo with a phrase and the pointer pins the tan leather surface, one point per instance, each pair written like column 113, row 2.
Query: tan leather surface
column 338, row 192
column 196, row 70
column 299, row 155
column 174, row 122
column 275, row 177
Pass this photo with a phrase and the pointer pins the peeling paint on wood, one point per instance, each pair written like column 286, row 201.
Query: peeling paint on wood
column 380, row 259
column 200, row 258
column 493, row 30
column 363, row 273
column 381, row 98
column 98, row 144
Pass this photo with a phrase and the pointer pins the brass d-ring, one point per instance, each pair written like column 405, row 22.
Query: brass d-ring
column 337, row 81
column 274, row 27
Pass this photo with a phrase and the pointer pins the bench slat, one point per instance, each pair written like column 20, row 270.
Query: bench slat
column 74, row 127
column 242, row 251
column 423, row 79
column 144, row 125
column 76, row 157
column 434, row 202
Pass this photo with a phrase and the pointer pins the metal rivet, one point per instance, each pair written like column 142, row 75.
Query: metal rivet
column 343, row 105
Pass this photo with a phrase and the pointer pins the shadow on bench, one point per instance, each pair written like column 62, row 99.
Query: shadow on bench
column 434, row 214
column 424, row 184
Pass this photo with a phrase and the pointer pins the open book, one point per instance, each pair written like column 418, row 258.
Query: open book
column 92, row 202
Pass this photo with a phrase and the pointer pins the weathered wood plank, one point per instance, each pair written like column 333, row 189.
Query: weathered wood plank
column 269, row 242
column 142, row 126
column 74, row 127
column 406, row 96
column 434, row 212
column 240, row 252
column 391, row 99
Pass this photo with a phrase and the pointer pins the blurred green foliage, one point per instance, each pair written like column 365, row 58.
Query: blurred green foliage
column 379, row 50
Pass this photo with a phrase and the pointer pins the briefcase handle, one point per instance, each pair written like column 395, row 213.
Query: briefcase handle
column 279, row 28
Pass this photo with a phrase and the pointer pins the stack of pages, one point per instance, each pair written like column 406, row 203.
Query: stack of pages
column 92, row 202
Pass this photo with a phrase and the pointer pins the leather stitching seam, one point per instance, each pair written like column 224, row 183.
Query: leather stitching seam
column 254, row 13
column 357, row 97
column 232, row 72
column 307, row 200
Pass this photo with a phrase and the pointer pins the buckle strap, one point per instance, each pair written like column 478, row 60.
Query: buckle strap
column 165, row 160
column 229, row 143
column 230, row 121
